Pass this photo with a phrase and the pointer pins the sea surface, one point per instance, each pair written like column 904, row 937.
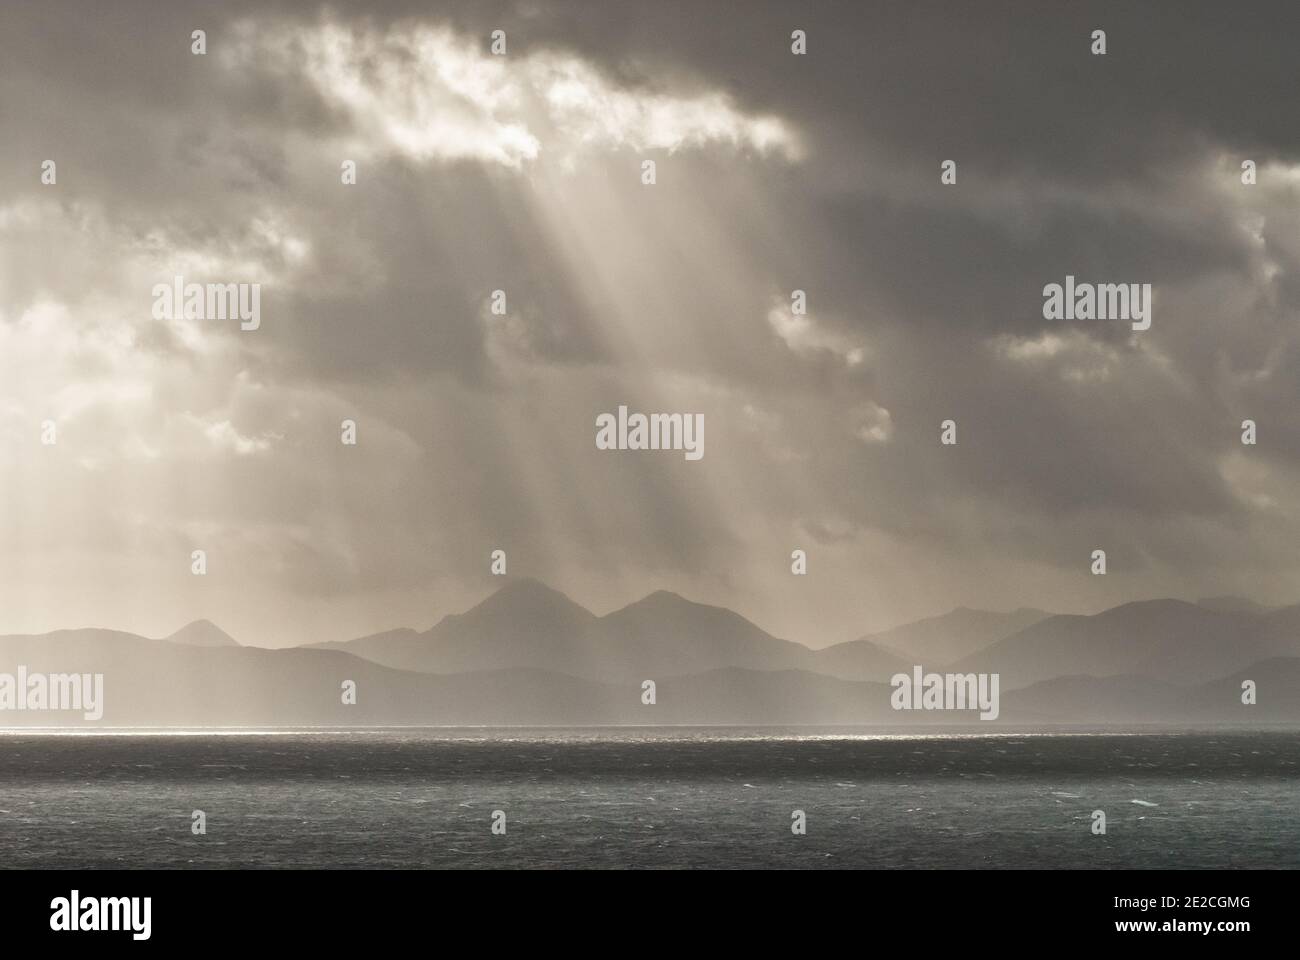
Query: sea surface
column 649, row 798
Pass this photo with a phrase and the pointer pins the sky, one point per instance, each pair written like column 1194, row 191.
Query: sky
column 522, row 172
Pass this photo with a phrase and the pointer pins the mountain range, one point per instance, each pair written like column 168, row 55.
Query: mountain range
column 527, row 624
column 527, row 654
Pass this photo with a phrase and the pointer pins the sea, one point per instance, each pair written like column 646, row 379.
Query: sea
column 652, row 798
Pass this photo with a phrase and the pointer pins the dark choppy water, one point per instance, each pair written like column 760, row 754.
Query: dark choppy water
column 647, row 798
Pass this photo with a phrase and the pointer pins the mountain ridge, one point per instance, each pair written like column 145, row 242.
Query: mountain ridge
column 1172, row 638
column 1140, row 659
column 526, row 623
column 155, row 683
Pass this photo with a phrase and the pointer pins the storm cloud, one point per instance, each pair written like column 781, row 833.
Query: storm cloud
column 522, row 173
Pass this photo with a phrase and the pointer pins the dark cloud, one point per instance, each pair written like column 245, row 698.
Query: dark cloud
column 476, row 430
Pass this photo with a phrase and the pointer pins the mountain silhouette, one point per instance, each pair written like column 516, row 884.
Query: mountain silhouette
column 526, row 624
column 1229, row 604
column 157, row 683
column 931, row 642
column 529, row 655
column 203, row 633
column 1171, row 640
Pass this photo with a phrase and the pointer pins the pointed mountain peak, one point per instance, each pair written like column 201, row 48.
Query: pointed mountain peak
column 203, row 633
column 527, row 597
column 527, row 586
column 666, row 605
column 664, row 602
column 666, row 597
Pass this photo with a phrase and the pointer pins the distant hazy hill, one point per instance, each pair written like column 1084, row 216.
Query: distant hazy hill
column 203, row 633
column 1132, row 700
column 527, row 624
column 931, row 642
column 159, row 683
column 666, row 635
column 1166, row 639
column 1279, row 632
column 1234, row 605
column 524, row 624
column 529, row 655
